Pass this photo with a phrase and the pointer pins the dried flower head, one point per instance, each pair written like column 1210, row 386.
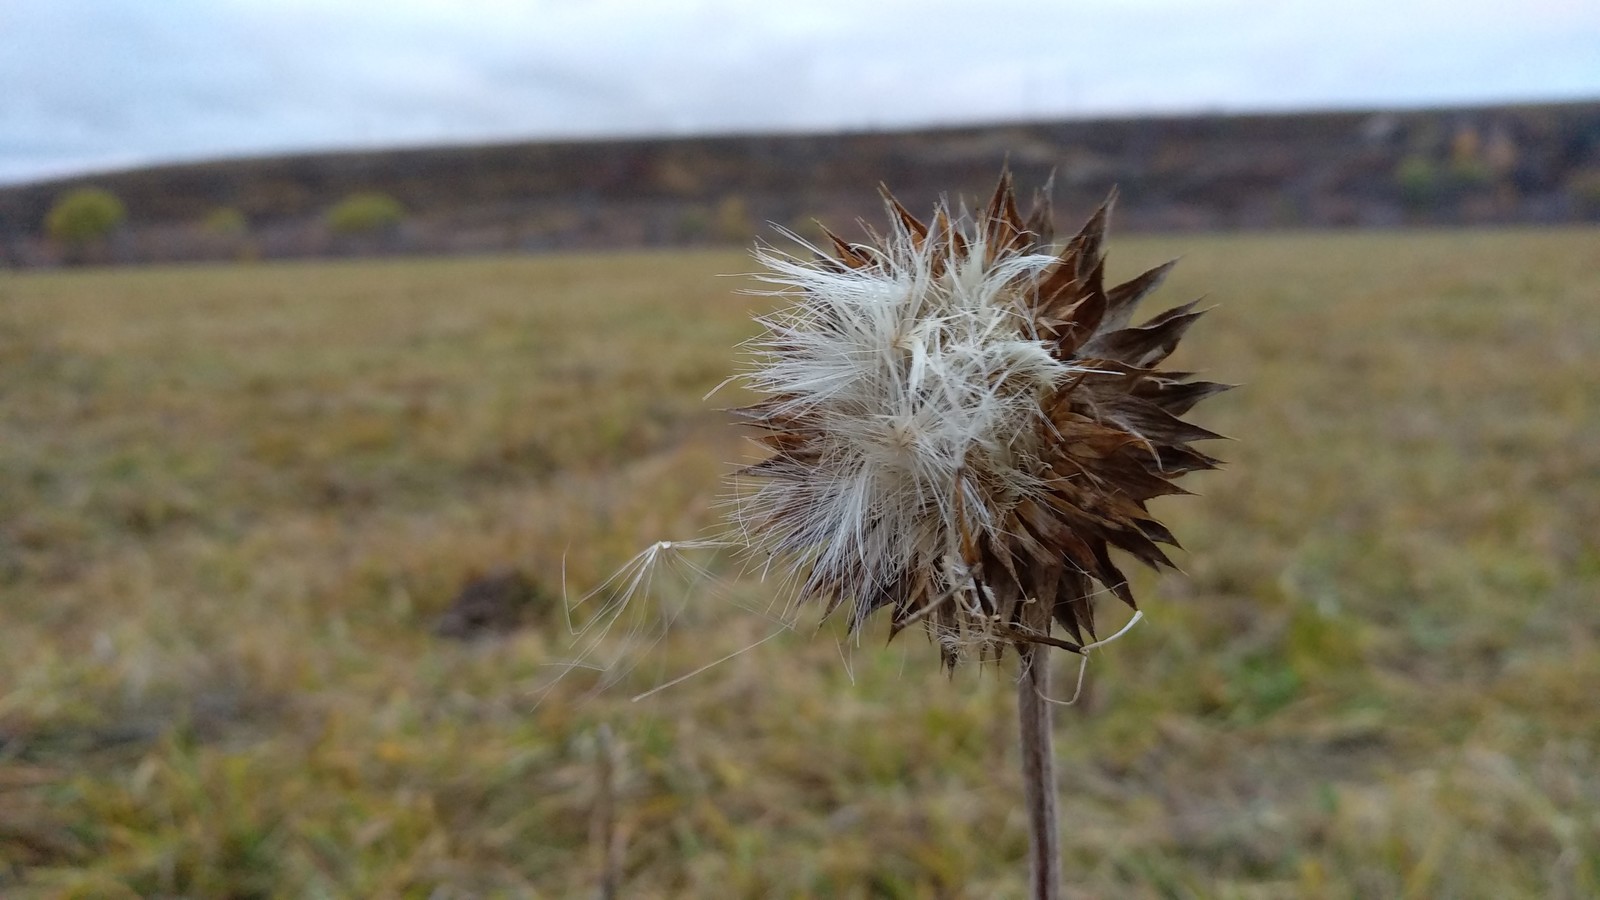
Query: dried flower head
column 962, row 423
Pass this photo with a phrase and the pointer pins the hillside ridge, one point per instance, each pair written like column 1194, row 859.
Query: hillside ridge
column 1478, row 165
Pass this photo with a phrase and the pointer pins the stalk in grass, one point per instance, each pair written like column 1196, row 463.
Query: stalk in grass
column 1038, row 773
column 963, row 421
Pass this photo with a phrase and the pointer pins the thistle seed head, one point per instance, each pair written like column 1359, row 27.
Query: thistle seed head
column 962, row 422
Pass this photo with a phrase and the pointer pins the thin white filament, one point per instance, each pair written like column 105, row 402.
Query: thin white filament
column 707, row 667
column 1083, row 660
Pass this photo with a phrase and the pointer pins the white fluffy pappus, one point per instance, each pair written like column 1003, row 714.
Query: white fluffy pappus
column 916, row 381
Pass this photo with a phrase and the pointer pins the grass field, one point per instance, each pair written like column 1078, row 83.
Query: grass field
column 233, row 502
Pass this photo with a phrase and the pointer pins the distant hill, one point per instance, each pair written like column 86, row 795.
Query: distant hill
column 1519, row 164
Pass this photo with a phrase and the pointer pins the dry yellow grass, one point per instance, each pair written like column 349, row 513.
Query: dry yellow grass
column 233, row 500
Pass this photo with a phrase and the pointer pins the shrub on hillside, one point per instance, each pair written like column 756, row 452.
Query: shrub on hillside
column 1419, row 181
column 83, row 216
column 225, row 234
column 365, row 213
column 225, row 221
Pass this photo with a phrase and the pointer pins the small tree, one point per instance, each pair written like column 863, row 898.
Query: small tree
column 83, row 218
column 1418, row 180
column 1470, row 174
column 365, row 213
column 226, row 222
column 225, row 232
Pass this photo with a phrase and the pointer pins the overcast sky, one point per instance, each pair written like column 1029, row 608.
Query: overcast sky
column 95, row 84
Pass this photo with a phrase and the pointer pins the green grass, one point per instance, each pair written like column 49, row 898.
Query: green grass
column 233, row 501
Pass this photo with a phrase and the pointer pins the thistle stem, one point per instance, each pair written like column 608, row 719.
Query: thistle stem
column 1038, row 774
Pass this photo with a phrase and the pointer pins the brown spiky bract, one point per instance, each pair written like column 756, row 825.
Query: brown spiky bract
column 1007, row 556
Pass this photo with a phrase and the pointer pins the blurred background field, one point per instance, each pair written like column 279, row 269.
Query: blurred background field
column 236, row 501
column 344, row 347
